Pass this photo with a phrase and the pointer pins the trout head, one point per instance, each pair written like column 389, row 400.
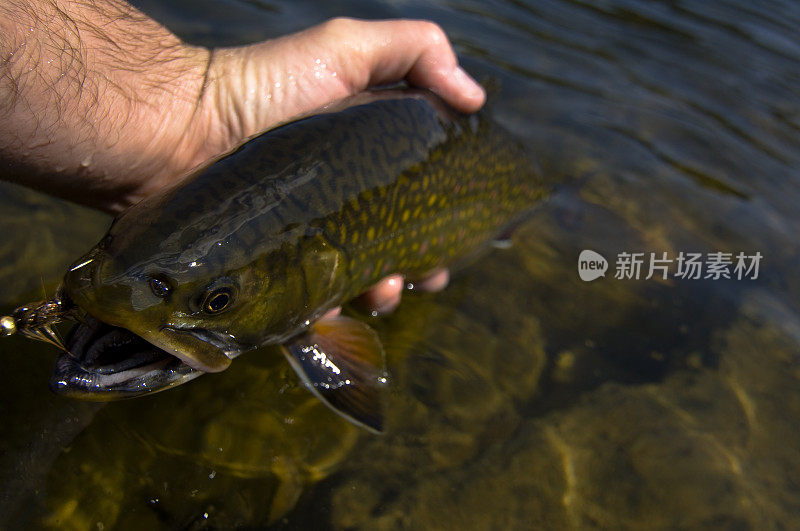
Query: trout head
column 158, row 319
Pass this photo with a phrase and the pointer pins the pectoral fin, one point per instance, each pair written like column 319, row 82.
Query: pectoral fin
column 341, row 360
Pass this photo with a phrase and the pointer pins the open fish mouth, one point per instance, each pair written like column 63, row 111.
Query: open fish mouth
column 105, row 362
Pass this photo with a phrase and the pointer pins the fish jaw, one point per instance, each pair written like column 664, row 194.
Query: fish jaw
column 201, row 349
column 104, row 363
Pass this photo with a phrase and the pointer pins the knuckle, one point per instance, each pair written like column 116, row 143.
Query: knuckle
column 432, row 33
column 339, row 25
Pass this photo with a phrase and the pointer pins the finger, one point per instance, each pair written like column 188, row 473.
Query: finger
column 384, row 296
column 375, row 53
column 437, row 280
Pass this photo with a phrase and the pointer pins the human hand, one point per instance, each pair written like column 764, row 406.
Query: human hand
column 252, row 88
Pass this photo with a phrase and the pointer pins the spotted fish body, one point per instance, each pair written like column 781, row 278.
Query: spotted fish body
column 301, row 219
column 455, row 185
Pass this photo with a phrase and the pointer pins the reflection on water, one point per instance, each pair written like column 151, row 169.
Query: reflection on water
column 522, row 396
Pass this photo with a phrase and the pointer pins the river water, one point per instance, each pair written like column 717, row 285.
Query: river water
column 523, row 396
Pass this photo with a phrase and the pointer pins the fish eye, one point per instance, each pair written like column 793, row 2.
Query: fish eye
column 160, row 287
column 219, row 296
column 217, row 300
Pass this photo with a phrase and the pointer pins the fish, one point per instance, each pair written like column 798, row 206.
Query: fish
column 258, row 246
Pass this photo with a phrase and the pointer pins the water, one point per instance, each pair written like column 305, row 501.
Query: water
column 522, row 396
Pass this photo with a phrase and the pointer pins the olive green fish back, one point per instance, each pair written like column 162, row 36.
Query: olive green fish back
column 396, row 184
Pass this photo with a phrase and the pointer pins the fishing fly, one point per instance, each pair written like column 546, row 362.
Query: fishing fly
column 36, row 320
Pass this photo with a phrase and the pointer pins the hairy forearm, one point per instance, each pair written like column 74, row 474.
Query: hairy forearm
column 90, row 90
column 102, row 105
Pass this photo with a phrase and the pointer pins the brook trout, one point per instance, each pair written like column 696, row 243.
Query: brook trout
column 255, row 248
